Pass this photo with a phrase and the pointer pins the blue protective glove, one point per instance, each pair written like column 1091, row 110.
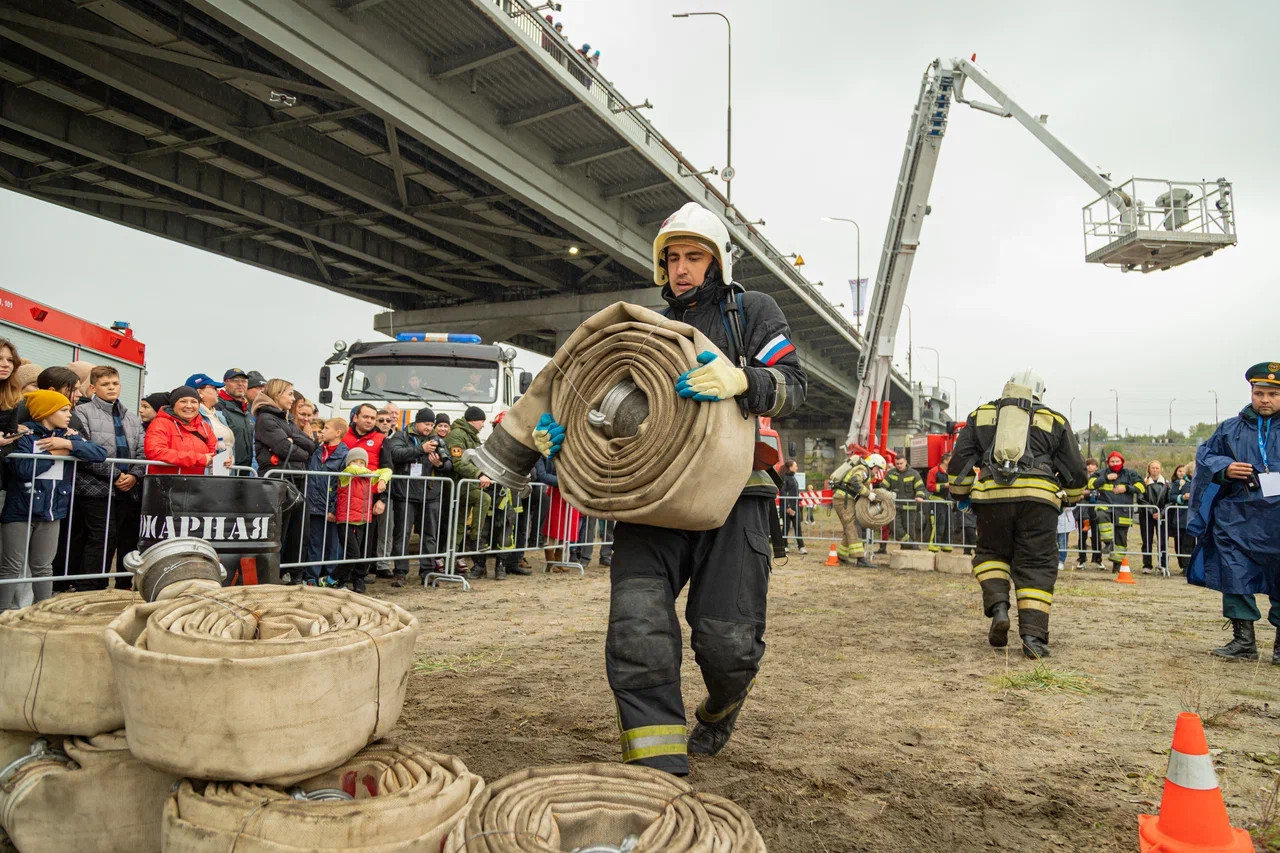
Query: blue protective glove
column 717, row 379
column 963, row 504
column 548, row 436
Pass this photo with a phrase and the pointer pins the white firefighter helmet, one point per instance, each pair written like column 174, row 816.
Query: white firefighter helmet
column 875, row 460
column 699, row 225
column 1030, row 379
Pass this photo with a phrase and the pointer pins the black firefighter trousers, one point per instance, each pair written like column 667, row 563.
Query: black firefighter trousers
column 727, row 570
column 1018, row 541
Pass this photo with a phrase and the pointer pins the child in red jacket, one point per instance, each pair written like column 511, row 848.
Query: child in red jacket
column 357, row 504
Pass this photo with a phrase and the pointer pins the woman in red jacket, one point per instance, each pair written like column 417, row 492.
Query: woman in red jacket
column 179, row 436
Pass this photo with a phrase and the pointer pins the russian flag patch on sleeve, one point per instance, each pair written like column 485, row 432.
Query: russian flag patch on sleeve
column 775, row 350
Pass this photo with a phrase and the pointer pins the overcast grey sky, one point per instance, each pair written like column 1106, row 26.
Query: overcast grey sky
column 823, row 91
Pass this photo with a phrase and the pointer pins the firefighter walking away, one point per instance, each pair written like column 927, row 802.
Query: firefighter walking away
column 1018, row 464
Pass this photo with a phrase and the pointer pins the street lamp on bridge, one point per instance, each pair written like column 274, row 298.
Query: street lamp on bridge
column 727, row 173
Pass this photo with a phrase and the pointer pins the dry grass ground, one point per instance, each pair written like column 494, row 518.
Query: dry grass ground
column 881, row 720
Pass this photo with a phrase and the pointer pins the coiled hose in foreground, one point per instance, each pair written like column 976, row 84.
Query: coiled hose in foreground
column 601, row 807
column 389, row 798
column 77, row 793
column 55, row 675
column 260, row 683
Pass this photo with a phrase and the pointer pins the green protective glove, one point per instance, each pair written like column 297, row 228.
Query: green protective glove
column 717, row 379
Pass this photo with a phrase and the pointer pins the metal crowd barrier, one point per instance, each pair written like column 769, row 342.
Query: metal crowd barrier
column 497, row 523
column 929, row 524
column 940, row 525
column 304, row 548
column 66, row 548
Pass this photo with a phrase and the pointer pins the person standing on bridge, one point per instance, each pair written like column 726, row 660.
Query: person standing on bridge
column 1028, row 468
column 727, row 569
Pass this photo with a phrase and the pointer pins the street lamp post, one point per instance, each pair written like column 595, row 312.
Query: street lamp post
column 955, row 390
column 937, row 362
column 727, row 173
column 857, row 309
column 1171, row 402
column 1117, row 393
column 1071, row 407
column 1215, row 406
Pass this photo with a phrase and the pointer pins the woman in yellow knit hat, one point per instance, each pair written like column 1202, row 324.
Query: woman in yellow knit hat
column 37, row 484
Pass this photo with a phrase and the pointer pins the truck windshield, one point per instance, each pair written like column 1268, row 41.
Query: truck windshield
column 398, row 378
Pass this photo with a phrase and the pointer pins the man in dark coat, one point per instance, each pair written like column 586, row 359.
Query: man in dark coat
column 1235, row 510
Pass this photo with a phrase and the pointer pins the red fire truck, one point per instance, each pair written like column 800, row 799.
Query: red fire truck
column 49, row 337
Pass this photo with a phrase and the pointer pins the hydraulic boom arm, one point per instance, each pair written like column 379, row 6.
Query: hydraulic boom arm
column 1190, row 220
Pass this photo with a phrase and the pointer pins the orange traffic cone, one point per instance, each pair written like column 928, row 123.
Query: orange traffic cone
column 833, row 559
column 1125, row 575
column 1193, row 818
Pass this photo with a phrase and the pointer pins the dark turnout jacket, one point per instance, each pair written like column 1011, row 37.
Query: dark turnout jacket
column 1055, row 474
column 776, row 381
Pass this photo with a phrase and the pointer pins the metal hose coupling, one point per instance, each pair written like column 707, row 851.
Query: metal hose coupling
column 173, row 561
column 621, row 412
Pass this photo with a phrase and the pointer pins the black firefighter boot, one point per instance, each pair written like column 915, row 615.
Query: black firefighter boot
column 1275, row 653
column 709, row 737
column 1034, row 648
column 1242, row 645
column 998, row 635
column 477, row 569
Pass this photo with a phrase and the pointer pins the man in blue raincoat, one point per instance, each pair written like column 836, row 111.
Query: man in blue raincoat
column 1235, row 509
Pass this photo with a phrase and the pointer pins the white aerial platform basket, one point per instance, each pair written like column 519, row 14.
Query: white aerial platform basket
column 1163, row 224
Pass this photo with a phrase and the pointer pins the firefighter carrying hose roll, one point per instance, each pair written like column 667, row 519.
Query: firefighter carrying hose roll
column 727, row 568
column 854, row 479
column 1028, row 467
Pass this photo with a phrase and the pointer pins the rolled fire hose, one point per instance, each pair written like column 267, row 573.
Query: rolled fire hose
column 54, row 672
column 633, row 450
column 260, row 683
column 388, row 798
column 878, row 513
column 79, row 794
column 601, row 807
column 172, row 566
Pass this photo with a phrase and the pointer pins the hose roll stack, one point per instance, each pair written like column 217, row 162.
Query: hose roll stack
column 259, row 683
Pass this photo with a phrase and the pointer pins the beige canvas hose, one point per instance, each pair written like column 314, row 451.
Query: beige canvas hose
column 682, row 467
column 605, row 807
column 79, row 794
column 260, row 683
column 879, row 513
column 388, row 798
column 54, row 672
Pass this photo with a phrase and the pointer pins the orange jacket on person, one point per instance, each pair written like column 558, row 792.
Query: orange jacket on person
column 185, row 446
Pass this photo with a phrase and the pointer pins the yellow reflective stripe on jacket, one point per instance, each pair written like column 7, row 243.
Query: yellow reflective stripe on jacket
column 760, row 478
column 961, row 485
column 648, row 741
column 1019, row 483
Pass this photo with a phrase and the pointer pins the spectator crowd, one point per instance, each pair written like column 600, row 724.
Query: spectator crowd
column 75, row 458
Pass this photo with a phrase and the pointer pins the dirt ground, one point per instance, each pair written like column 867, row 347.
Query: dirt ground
column 881, row 719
